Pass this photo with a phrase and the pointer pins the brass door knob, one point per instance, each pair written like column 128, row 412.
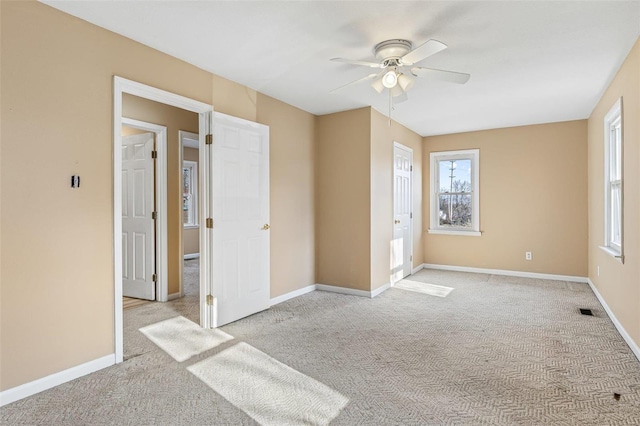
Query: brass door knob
column 397, row 221
column 265, row 227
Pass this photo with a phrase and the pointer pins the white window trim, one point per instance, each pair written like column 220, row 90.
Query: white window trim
column 435, row 228
column 614, row 114
column 193, row 165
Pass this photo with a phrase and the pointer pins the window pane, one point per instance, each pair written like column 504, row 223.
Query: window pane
column 455, row 175
column 616, row 217
column 455, row 210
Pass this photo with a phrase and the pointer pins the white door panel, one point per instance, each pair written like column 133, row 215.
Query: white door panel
column 402, row 212
column 138, row 237
column 240, row 211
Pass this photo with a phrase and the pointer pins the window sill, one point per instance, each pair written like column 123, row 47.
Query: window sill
column 613, row 253
column 452, row 232
column 191, row 226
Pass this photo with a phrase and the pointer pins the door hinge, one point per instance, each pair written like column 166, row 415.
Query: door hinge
column 208, row 139
column 411, row 258
column 410, row 215
column 410, row 168
column 209, row 299
column 154, row 278
column 154, row 215
column 154, row 154
column 209, row 222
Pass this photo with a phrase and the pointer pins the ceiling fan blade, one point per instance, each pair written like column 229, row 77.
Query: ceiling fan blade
column 423, row 51
column 450, row 76
column 369, row 77
column 363, row 63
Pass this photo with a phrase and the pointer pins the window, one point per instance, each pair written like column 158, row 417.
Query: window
column 455, row 192
column 613, row 196
column 190, row 193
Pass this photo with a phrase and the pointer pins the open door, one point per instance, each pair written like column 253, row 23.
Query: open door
column 138, row 230
column 240, row 244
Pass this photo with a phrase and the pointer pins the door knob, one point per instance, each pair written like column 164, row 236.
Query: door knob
column 397, row 221
column 265, row 227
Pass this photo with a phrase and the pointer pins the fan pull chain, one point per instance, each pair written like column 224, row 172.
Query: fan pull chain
column 390, row 106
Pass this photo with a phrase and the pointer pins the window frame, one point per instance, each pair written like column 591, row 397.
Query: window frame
column 614, row 165
column 435, row 159
column 193, row 191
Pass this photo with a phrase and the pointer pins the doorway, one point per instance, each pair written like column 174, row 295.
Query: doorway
column 124, row 87
column 402, row 255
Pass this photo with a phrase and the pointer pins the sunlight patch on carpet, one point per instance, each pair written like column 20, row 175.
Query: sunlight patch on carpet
column 267, row 390
column 183, row 339
column 418, row 287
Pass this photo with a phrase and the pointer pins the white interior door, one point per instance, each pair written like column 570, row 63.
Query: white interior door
column 402, row 211
column 241, row 218
column 138, row 237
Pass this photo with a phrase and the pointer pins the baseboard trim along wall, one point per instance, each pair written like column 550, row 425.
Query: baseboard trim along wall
column 632, row 345
column 174, row 296
column 417, row 269
column 48, row 382
column 506, row 272
column 292, row 294
column 191, row 256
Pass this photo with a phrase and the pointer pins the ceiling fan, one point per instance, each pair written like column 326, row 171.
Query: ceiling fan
column 397, row 61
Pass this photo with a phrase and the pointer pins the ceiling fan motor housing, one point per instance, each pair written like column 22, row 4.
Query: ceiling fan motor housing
column 392, row 49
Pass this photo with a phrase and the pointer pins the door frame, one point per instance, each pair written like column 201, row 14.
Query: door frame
column 393, row 189
column 160, row 178
column 205, row 112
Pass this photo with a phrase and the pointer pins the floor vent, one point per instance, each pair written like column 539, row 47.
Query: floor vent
column 586, row 312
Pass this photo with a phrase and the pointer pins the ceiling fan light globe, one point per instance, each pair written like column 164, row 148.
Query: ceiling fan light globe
column 390, row 79
column 396, row 91
column 405, row 82
column 377, row 85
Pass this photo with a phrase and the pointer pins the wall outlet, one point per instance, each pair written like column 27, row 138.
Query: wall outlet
column 527, row 255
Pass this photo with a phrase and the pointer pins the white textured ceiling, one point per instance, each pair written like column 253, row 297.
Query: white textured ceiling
column 530, row 61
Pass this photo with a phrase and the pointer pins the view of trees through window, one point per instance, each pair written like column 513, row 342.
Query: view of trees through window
column 455, row 194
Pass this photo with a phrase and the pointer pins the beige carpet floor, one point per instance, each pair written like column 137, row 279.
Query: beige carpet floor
column 495, row 351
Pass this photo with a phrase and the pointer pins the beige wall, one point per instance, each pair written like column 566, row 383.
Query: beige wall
column 291, row 193
column 382, row 138
column 191, row 236
column 354, row 197
column 174, row 119
column 533, row 197
column 61, row 313
column 343, row 202
column 619, row 284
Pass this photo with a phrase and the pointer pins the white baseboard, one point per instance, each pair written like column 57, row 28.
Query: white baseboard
column 343, row 290
column 191, row 256
column 634, row 347
column 174, row 296
column 292, row 294
column 329, row 288
column 14, row 394
column 379, row 290
column 417, row 268
column 506, row 272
